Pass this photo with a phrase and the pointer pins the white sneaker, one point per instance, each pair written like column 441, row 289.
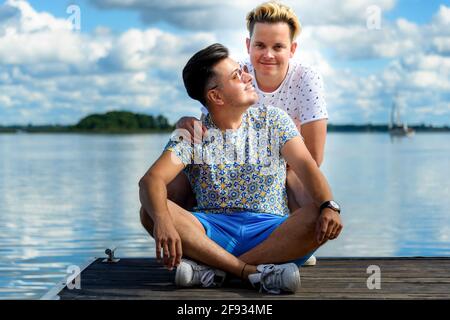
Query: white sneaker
column 274, row 278
column 190, row 273
column 312, row 261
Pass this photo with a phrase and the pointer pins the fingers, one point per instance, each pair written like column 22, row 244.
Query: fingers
column 158, row 251
column 172, row 254
column 190, row 129
column 336, row 231
column 318, row 228
column 321, row 230
column 339, row 230
column 333, row 230
column 195, row 129
column 175, row 253
column 166, row 254
column 329, row 230
column 198, row 131
column 179, row 253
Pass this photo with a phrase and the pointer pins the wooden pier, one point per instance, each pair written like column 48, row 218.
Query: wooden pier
column 331, row 278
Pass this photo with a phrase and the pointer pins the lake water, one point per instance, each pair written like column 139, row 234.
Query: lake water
column 65, row 198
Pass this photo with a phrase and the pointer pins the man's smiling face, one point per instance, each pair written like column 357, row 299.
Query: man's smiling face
column 270, row 48
column 234, row 84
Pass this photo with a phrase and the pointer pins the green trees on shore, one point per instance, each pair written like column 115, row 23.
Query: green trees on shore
column 110, row 122
column 119, row 121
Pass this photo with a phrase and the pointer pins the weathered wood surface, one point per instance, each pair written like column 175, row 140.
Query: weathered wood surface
column 331, row 278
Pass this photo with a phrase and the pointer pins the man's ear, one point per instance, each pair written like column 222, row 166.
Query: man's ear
column 247, row 43
column 293, row 48
column 215, row 97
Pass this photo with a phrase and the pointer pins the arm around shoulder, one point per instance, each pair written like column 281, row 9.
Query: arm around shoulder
column 314, row 134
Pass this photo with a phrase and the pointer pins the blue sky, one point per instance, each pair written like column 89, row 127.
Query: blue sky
column 128, row 55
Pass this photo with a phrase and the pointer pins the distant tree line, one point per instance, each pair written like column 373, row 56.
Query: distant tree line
column 123, row 121
column 129, row 122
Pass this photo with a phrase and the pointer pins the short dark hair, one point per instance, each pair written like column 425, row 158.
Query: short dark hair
column 198, row 71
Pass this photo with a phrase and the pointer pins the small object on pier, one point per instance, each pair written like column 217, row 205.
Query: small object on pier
column 111, row 258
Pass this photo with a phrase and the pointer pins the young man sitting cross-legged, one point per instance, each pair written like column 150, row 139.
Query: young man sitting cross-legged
column 241, row 224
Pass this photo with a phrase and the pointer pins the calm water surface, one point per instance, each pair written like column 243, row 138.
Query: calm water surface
column 65, row 198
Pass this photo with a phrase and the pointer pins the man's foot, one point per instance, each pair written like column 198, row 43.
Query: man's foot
column 312, row 261
column 273, row 278
column 190, row 273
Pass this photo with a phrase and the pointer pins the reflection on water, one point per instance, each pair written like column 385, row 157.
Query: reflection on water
column 65, row 198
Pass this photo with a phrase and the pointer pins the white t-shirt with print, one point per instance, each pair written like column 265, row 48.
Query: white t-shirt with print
column 301, row 94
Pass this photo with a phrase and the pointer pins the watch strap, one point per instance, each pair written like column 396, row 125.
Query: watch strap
column 327, row 204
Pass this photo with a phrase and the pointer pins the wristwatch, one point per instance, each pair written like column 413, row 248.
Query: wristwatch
column 333, row 205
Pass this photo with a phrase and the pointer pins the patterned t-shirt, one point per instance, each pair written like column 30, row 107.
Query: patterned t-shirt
column 239, row 170
column 301, row 94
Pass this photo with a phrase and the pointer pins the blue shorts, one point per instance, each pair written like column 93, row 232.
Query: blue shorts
column 239, row 232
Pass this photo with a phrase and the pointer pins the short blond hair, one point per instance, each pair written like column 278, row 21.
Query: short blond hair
column 273, row 12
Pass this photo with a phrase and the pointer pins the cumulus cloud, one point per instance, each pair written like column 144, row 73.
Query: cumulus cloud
column 136, row 50
column 22, row 18
column 186, row 14
column 48, row 71
column 442, row 18
column 394, row 39
column 206, row 14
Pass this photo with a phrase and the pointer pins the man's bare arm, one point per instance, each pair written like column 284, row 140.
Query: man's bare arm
column 153, row 185
column 314, row 134
column 153, row 197
column 329, row 224
column 304, row 166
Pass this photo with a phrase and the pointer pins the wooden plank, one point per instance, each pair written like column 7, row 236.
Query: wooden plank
column 332, row 278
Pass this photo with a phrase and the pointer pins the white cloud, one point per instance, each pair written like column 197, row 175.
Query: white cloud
column 442, row 17
column 206, row 14
column 187, row 14
column 5, row 101
column 393, row 40
column 136, row 50
column 47, row 68
column 347, row 12
column 43, row 43
column 442, row 45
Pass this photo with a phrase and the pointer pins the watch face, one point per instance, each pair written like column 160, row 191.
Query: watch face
column 334, row 205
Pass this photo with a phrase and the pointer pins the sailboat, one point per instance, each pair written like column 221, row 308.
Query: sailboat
column 396, row 127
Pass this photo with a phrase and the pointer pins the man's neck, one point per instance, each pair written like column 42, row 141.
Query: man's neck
column 227, row 118
column 270, row 84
